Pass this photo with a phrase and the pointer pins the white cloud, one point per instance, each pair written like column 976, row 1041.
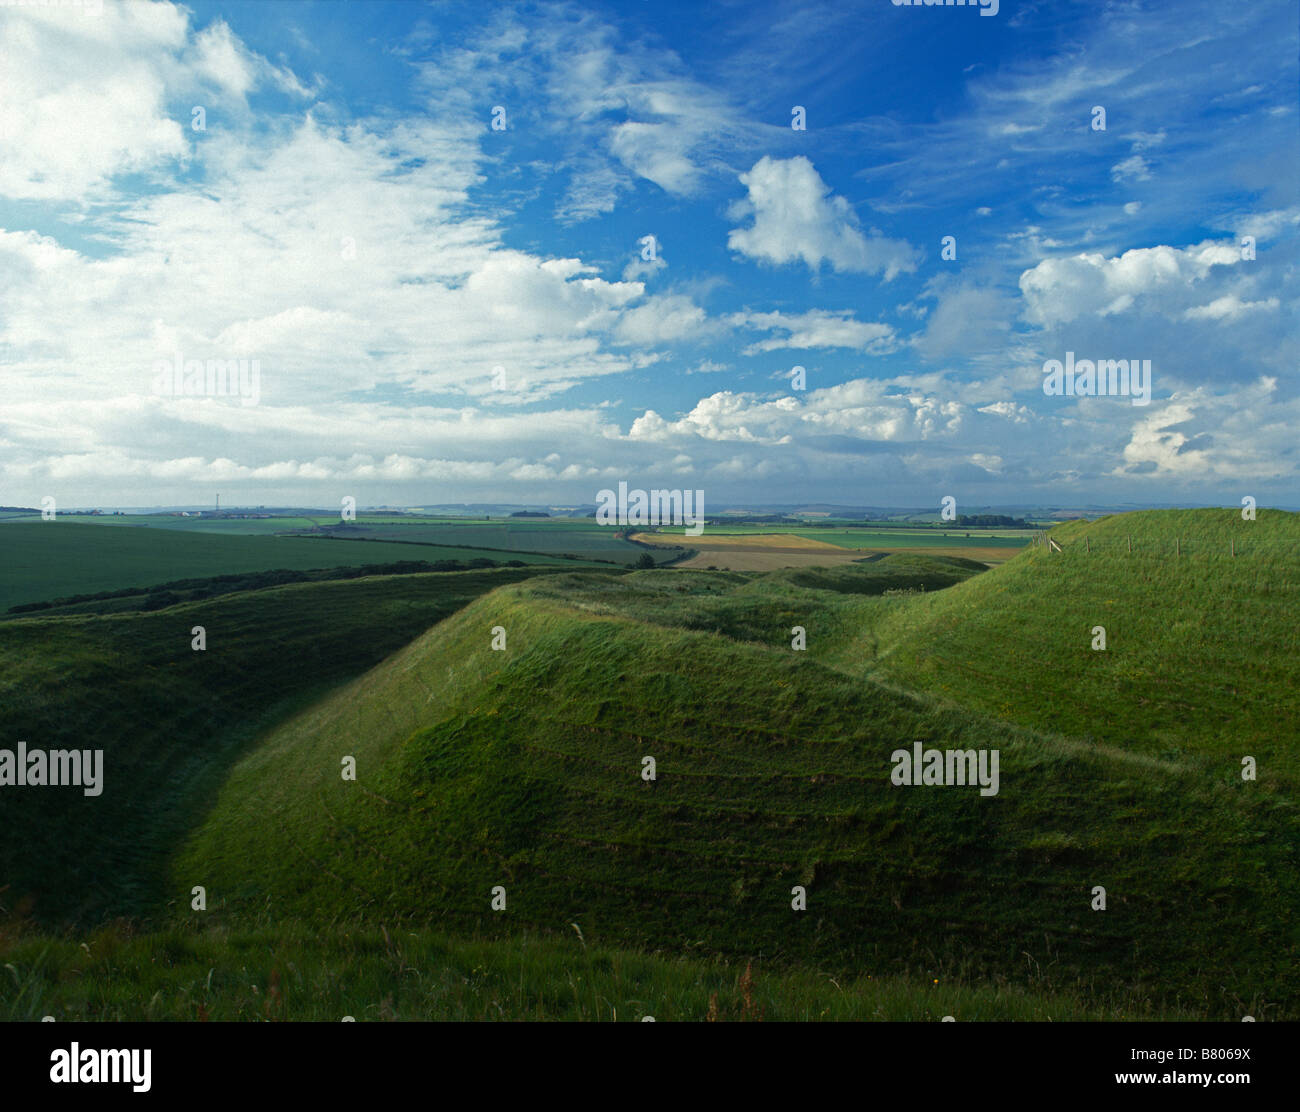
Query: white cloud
column 657, row 152
column 220, row 58
column 1062, row 289
column 661, row 320
column 1230, row 307
column 1016, row 414
column 968, row 319
column 640, row 268
column 864, row 410
column 817, row 328
column 1133, row 168
column 344, row 258
column 85, row 99
column 797, row 218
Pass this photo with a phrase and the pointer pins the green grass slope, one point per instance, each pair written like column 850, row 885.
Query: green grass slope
column 521, row 769
column 170, row 719
column 1202, row 657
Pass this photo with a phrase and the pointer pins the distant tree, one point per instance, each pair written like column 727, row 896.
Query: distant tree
column 645, row 560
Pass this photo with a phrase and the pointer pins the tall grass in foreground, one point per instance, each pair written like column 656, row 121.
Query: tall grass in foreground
column 293, row 972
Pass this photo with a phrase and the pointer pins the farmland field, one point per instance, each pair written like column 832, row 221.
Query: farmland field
column 870, row 534
column 555, row 536
column 581, row 538
column 761, row 548
column 56, row 559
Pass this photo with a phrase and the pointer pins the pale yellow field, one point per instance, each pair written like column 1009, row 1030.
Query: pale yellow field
column 769, row 551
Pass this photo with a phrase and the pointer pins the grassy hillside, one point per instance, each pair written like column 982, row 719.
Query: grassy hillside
column 1202, row 658
column 54, row 559
column 171, row 719
column 521, row 768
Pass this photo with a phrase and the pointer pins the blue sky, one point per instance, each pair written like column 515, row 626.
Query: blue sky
column 443, row 311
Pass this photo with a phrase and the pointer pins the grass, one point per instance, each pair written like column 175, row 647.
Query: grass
column 521, row 769
column 1202, row 658
column 291, row 972
column 171, row 720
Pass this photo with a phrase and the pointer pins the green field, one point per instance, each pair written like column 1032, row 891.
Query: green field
column 521, row 768
column 229, row 526
column 55, row 559
column 556, row 536
column 502, row 538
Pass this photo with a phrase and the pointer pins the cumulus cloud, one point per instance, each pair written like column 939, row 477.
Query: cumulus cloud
column 863, row 410
column 661, row 320
column 86, row 99
column 796, row 218
column 346, row 259
column 1061, row 289
column 381, row 271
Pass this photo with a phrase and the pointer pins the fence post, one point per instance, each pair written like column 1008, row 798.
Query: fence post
column 1130, row 544
column 1087, row 544
column 1233, row 542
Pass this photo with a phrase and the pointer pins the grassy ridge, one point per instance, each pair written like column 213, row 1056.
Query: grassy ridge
column 1202, row 654
column 170, row 720
column 521, row 769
